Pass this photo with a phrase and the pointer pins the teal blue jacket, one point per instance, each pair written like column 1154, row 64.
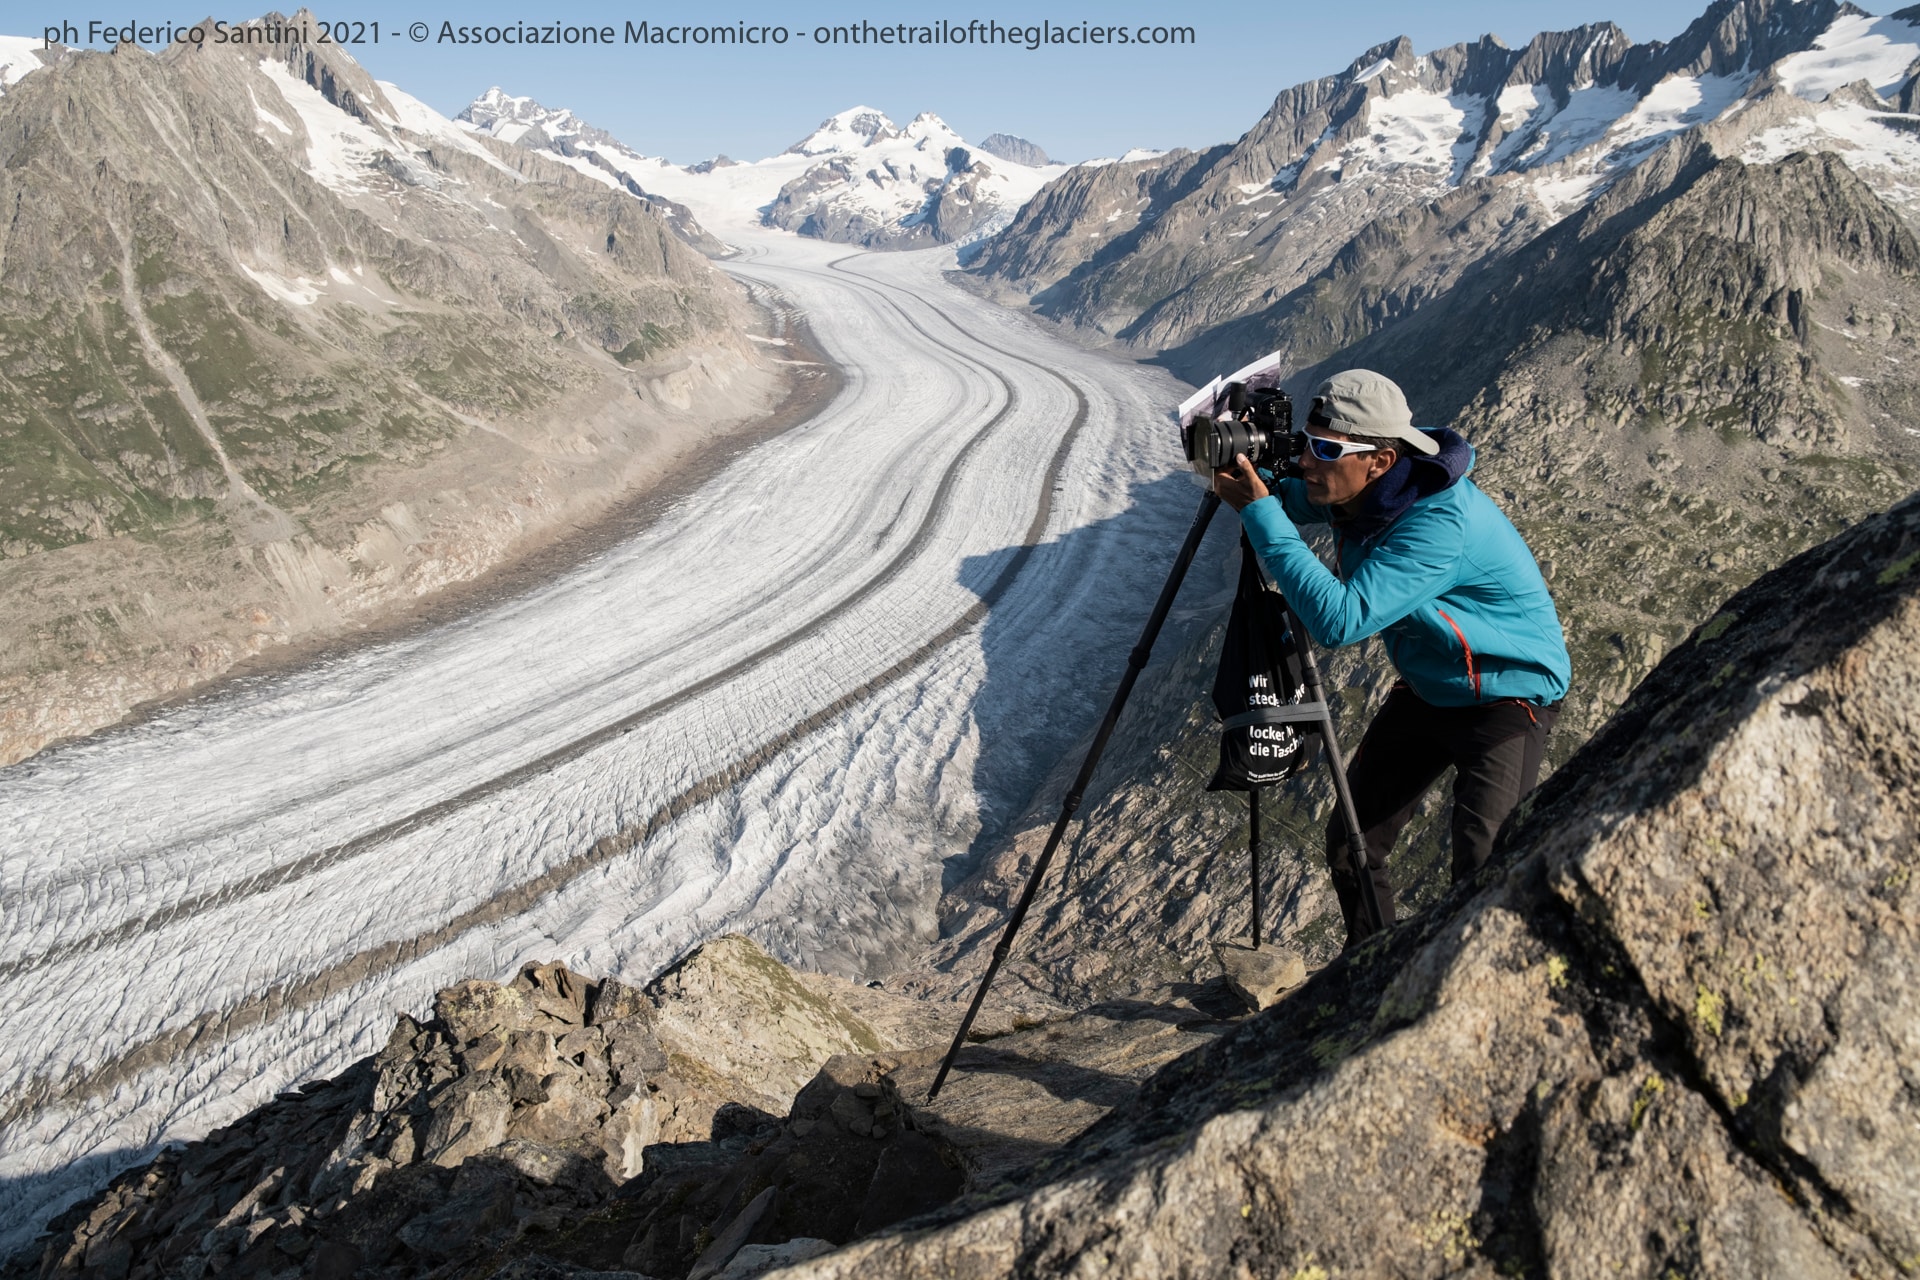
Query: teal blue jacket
column 1449, row 585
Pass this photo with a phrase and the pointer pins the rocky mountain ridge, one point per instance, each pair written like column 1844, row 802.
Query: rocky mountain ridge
column 285, row 349
column 564, row 136
column 1669, row 1030
column 1156, row 253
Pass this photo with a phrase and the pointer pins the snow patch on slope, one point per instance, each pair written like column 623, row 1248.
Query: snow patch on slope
column 300, row 293
column 417, row 117
column 340, row 149
column 1881, row 146
column 1376, row 69
column 1416, row 128
column 1552, row 132
column 1856, row 47
column 19, row 55
column 1677, row 103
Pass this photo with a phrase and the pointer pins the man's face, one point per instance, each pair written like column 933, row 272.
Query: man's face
column 1338, row 483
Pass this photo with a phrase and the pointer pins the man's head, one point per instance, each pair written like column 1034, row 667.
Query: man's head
column 1363, row 409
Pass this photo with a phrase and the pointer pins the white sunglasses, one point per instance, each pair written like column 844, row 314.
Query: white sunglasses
column 1333, row 450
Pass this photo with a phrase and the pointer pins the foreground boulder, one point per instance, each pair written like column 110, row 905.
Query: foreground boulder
column 1672, row 1031
column 862, row 1149
column 732, row 1116
column 515, row 1109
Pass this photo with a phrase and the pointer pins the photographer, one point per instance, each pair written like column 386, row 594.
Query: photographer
column 1429, row 563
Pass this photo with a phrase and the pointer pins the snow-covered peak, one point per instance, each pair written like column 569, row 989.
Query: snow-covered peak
column 554, row 130
column 929, row 132
column 852, row 129
column 18, row 56
column 501, row 115
column 508, row 118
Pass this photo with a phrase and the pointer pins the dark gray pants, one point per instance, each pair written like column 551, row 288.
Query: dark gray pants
column 1495, row 751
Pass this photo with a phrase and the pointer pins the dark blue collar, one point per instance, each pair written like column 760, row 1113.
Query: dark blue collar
column 1412, row 478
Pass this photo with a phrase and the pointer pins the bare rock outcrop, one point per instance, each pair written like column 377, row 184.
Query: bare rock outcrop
column 1010, row 147
column 514, row 1109
column 1671, row 1031
column 861, row 1149
column 731, row 1117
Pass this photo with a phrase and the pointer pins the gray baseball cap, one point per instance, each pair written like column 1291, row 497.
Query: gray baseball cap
column 1361, row 402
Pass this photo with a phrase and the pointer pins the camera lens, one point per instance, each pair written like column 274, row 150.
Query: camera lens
column 1214, row 444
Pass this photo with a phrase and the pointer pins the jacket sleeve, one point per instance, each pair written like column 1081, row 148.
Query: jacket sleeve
column 1416, row 561
column 1292, row 493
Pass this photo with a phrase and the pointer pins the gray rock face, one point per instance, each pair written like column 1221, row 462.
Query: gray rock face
column 1669, row 1030
column 1018, row 150
column 523, row 122
column 1090, row 216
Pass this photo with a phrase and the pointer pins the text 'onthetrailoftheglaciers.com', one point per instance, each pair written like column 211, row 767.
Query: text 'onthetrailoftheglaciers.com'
column 978, row 32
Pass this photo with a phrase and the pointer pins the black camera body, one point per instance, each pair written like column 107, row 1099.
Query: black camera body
column 1243, row 412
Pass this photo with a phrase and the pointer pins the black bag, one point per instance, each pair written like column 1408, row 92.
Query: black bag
column 1259, row 667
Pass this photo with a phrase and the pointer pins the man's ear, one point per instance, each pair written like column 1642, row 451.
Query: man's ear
column 1381, row 462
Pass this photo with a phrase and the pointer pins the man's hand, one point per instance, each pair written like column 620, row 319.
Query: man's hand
column 1241, row 485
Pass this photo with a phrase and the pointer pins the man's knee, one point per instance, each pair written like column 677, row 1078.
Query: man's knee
column 1473, row 834
column 1487, row 788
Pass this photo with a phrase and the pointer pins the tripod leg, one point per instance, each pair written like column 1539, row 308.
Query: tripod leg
column 1253, row 852
column 1135, row 662
column 1343, row 796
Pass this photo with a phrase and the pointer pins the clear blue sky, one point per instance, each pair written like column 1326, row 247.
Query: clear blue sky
column 687, row 103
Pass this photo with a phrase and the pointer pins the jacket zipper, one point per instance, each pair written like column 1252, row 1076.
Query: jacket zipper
column 1473, row 672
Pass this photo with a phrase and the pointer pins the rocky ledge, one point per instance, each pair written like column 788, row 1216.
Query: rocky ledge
column 1672, row 1030
column 730, row 1115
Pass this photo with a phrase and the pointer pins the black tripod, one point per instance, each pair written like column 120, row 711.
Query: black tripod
column 1313, row 710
